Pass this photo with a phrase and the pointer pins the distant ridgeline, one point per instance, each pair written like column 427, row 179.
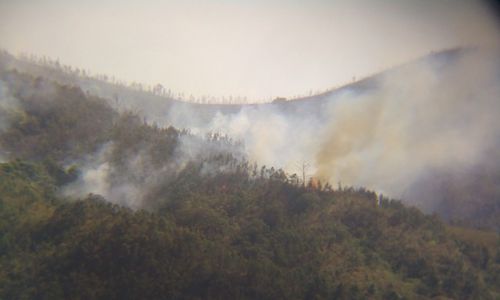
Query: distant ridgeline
column 108, row 86
column 156, row 103
column 43, row 96
column 98, row 204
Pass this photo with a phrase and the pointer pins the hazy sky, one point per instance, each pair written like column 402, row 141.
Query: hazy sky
column 258, row 49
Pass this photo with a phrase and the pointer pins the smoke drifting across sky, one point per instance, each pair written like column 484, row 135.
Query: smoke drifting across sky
column 422, row 125
column 415, row 133
column 258, row 49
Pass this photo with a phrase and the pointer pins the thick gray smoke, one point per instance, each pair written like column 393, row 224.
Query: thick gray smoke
column 418, row 132
column 425, row 116
column 436, row 115
column 131, row 183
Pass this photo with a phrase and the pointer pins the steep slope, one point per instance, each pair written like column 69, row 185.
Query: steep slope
column 204, row 222
column 230, row 236
column 164, row 108
column 441, row 101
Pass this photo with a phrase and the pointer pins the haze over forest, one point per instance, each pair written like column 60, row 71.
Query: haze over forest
column 249, row 149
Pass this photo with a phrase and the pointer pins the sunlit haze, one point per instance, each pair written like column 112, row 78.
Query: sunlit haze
column 254, row 49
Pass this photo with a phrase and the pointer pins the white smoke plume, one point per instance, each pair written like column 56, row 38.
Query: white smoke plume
column 439, row 113
column 394, row 133
column 424, row 116
column 130, row 182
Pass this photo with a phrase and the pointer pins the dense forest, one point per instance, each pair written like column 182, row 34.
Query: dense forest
column 99, row 204
column 461, row 195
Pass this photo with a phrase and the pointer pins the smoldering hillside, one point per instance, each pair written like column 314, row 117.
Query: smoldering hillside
column 426, row 135
column 426, row 132
column 92, row 149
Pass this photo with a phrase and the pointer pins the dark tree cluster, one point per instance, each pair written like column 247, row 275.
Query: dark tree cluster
column 211, row 225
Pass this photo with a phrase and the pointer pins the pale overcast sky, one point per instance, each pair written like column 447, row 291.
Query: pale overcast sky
column 259, row 49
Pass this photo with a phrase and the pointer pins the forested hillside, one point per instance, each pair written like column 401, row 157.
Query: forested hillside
column 97, row 204
column 459, row 179
column 230, row 236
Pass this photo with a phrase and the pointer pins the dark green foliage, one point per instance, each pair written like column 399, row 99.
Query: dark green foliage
column 212, row 226
column 227, row 239
column 52, row 121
